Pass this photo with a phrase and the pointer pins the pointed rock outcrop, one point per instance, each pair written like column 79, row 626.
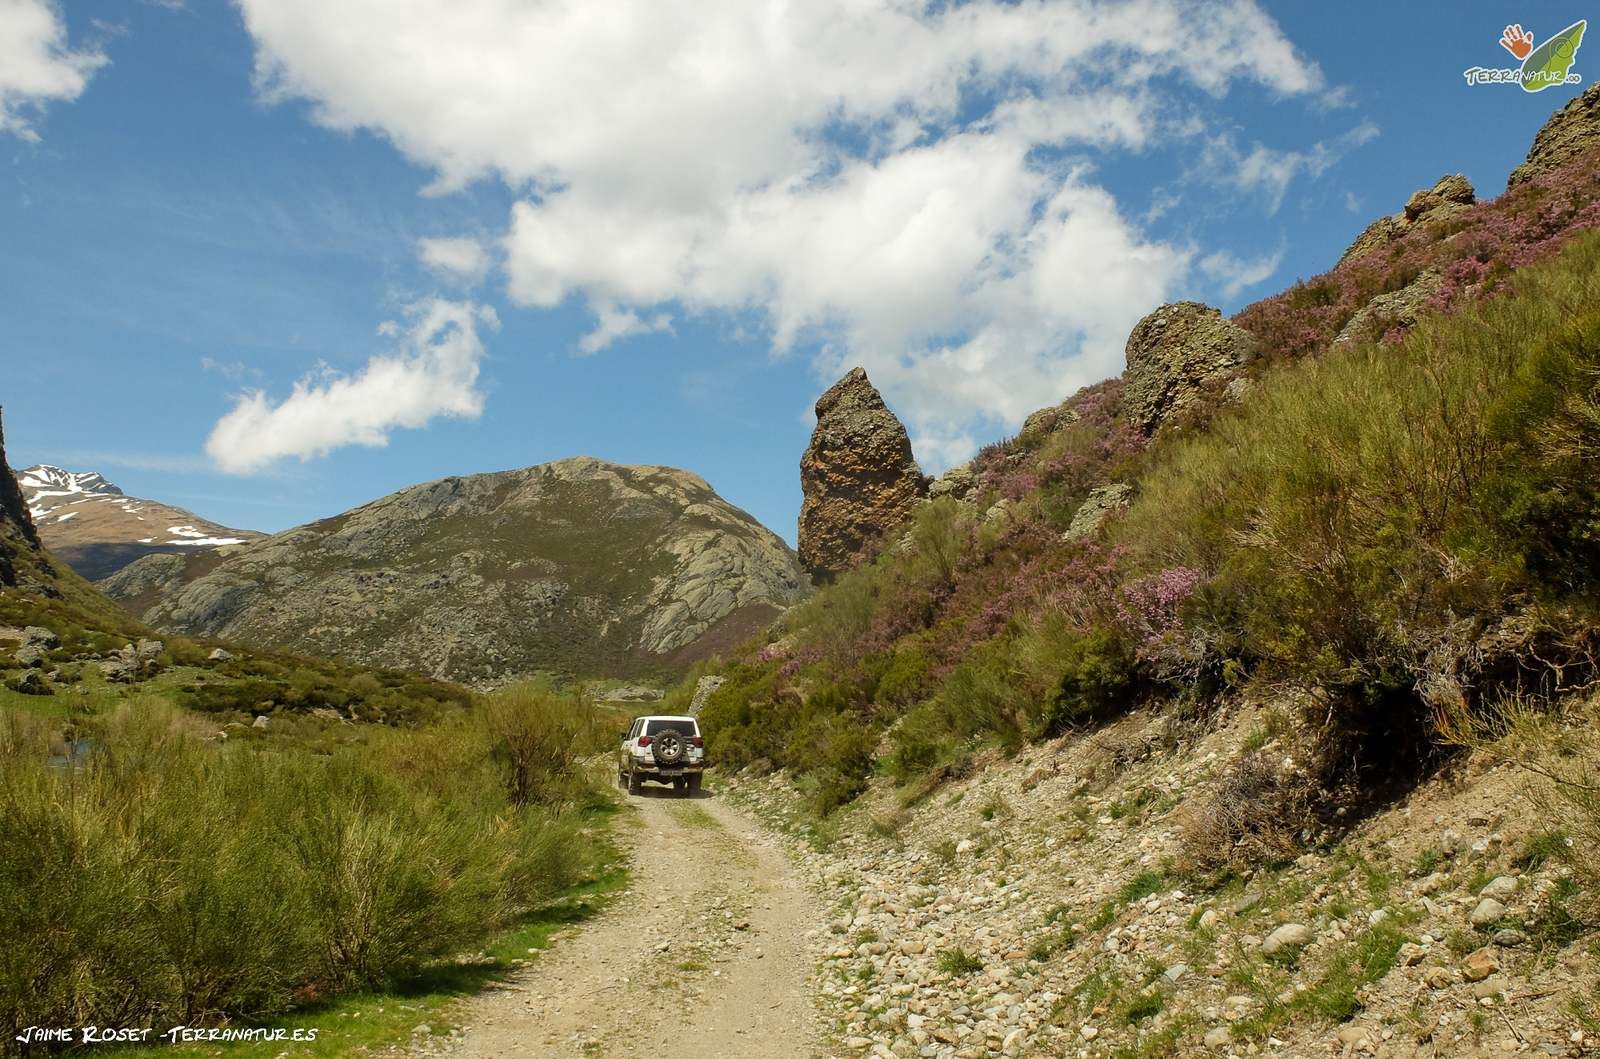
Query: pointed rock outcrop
column 1571, row 131
column 859, row 477
column 1174, row 353
column 1451, row 195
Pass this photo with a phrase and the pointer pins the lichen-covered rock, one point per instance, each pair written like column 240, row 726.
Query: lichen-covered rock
column 956, row 483
column 1173, row 353
column 859, row 477
column 1451, row 195
column 1571, row 131
column 1401, row 308
column 1099, row 505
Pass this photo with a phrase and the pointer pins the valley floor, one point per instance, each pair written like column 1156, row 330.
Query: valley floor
column 705, row 954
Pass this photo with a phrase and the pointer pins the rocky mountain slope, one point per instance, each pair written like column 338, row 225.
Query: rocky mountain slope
column 577, row 566
column 1038, row 907
column 97, row 529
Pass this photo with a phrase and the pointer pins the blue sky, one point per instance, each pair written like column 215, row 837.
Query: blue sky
column 664, row 231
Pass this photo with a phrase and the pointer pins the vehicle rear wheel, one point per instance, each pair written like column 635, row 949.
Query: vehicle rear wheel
column 634, row 782
column 681, row 786
column 622, row 779
column 694, row 783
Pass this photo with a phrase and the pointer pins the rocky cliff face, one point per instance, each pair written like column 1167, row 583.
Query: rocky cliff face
column 1445, row 199
column 1176, row 351
column 1572, row 131
column 859, row 477
column 13, row 508
column 577, row 566
column 17, row 535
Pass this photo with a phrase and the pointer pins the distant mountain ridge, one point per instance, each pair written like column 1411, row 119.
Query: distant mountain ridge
column 578, row 567
column 97, row 529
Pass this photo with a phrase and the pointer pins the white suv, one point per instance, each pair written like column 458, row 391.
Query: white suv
column 664, row 749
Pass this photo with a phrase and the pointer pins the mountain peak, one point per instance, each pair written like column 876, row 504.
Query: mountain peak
column 58, row 481
column 97, row 528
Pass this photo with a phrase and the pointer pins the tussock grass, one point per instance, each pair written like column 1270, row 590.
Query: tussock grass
column 165, row 879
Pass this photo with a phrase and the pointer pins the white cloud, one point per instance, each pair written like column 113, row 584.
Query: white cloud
column 459, row 258
column 36, row 65
column 433, row 373
column 1263, row 170
column 1233, row 274
column 613, row 325
column 886, row 181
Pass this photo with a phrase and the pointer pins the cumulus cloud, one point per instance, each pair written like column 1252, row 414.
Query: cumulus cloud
column 36, row 65
column 434, row 372
column 459, row 258
column 928, row 216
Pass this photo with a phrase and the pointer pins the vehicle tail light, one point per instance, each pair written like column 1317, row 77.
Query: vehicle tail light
column 696, row 741
column 644, row 740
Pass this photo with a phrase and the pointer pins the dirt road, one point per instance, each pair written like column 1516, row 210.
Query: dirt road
column 703, row 956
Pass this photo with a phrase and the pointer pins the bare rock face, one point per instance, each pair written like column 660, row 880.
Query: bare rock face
column 16, row 526
column 1571, row 131
column 1452, row 194
column 859, row 477
column 1173, row 353
column 13, row 508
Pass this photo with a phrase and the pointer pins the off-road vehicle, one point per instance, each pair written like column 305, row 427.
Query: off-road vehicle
column 663, row 749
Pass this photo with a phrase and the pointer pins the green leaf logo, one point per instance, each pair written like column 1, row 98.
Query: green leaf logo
column 1549, row 63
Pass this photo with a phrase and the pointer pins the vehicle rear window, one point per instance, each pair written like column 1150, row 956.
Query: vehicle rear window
column 657, row 727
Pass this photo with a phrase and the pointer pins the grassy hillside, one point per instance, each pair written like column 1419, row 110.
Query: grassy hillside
column 1382, row 530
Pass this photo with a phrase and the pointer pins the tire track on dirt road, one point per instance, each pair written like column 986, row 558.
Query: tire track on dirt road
column 703, row 955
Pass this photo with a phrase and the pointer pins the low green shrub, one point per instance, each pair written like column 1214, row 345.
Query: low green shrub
column 164, row 879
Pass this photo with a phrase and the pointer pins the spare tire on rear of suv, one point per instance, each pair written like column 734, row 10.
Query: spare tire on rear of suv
column 670, row 747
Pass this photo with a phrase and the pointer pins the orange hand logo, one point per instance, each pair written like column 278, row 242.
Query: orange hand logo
column 1517, row 41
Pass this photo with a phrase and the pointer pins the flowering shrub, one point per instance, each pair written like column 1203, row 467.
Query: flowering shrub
column 1149, row 606
column 1473, row 250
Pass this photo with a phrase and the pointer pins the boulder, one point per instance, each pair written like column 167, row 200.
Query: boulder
column 39, row 636
column 29, row 683
column 859, row 478
column 1287, row 938
column 1099, row 505
column 1488, row 911
column 1450, row 195
column 1572, row 131
column 1479, row 965
column 1501, row 888
column 220, row 655
column 1401, row 308
column 957, row 482
column 1174, row 353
